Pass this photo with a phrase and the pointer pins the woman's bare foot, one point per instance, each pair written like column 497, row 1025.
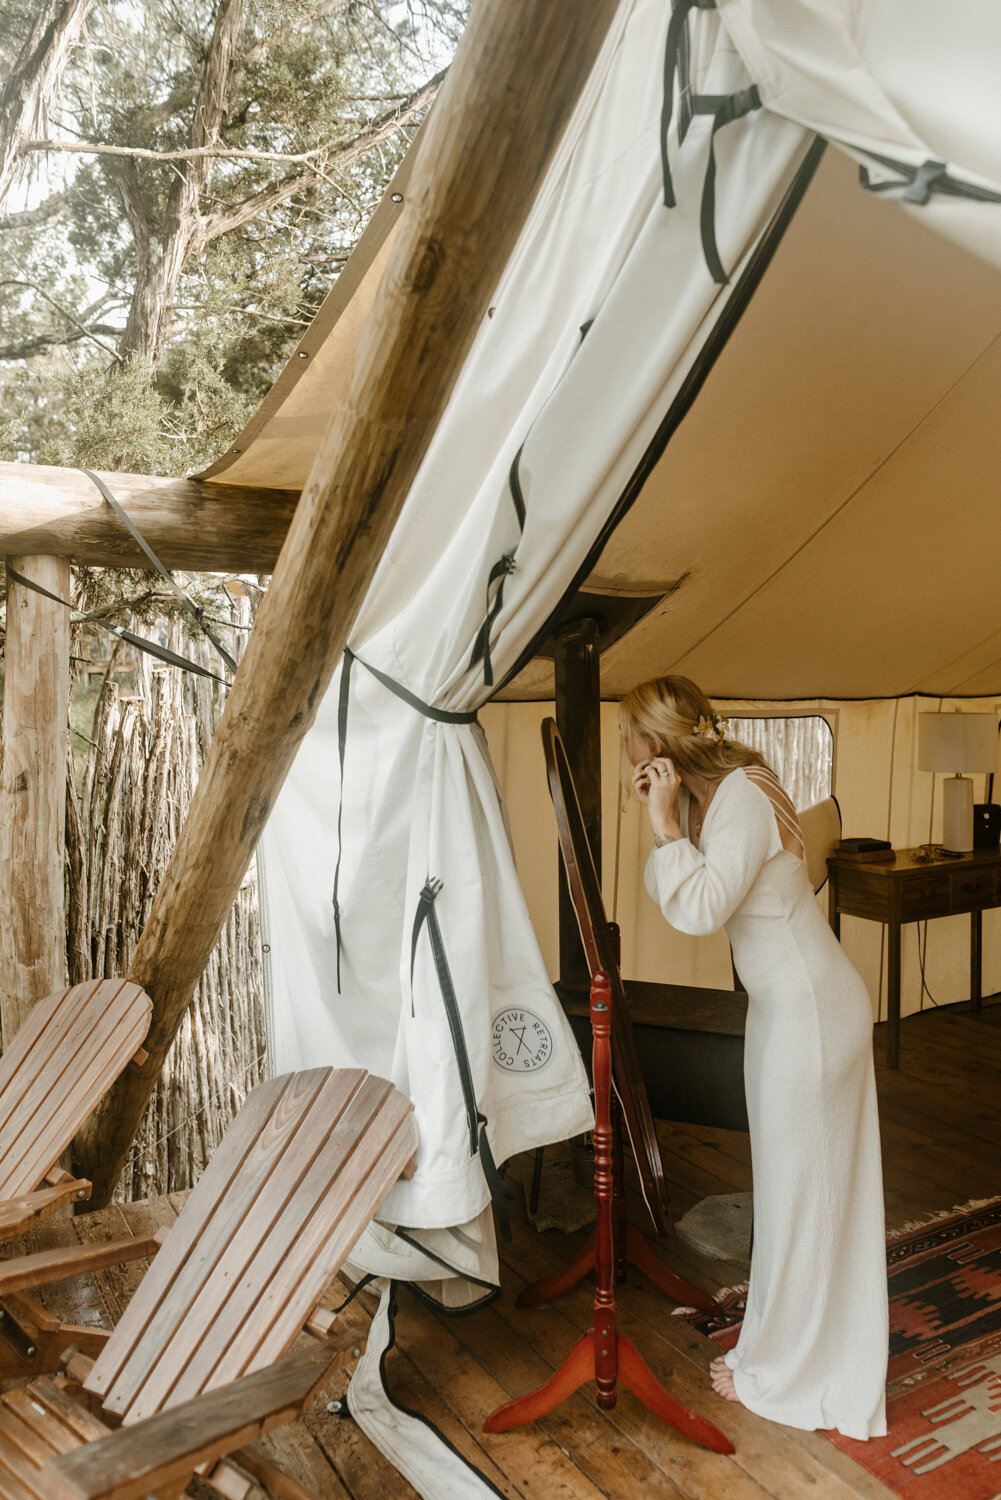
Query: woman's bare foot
column 722, row 1378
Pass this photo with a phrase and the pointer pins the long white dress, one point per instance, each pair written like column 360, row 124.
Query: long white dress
column 812, row 1351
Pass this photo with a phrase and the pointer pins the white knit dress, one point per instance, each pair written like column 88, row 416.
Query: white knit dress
column 812, row 1351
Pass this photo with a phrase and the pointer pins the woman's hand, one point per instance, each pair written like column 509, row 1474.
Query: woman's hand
column 656, row 784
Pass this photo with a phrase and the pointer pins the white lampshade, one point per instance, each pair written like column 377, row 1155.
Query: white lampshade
column 957, row 742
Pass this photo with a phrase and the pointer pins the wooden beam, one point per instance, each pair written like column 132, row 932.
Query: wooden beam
column 509, row 93
column 33, row 791
column 206, row 527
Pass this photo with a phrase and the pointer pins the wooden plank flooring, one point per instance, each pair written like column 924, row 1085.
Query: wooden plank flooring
column 941, row 1122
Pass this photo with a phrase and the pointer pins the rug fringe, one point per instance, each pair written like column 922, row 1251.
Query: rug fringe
column 970, row 1207
column 720, row 1296
column 973, row 1205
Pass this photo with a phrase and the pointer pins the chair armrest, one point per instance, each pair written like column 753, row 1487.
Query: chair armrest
column 17, row 1213
column 20, row 1272
column 169, row 1446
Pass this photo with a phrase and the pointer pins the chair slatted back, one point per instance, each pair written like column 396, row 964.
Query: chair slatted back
column 62, row 1061
column 821, row 825
column 298, row 1176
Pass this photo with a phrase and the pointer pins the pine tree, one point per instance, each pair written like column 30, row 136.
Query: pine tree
column 153, row 291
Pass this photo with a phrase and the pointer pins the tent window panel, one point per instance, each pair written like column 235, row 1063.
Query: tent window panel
column 800, row 750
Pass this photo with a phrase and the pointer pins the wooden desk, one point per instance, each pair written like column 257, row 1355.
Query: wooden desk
column 902, row 891
column 691, row 1048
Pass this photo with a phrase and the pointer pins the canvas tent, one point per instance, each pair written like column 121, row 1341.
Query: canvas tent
column 796, row 540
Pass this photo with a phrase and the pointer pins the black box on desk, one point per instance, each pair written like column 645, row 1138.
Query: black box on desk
column 986, row 825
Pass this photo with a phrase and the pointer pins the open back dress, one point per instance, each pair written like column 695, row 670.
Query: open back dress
column 812, row 1350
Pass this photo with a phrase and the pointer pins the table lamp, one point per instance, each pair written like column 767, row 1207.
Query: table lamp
column 955, row 743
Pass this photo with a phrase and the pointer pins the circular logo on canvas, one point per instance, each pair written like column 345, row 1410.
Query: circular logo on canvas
column 520, row 1041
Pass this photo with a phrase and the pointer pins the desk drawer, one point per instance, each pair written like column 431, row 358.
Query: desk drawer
column 927, row 896
column 971, row 888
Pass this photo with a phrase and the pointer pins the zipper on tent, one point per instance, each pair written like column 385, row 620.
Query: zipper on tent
column 476, row 1121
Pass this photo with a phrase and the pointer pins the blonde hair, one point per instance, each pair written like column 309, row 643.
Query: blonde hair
column 666, row 713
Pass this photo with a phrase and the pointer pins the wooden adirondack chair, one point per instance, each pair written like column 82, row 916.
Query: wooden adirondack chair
column 199, row 1364
column 62, row 1061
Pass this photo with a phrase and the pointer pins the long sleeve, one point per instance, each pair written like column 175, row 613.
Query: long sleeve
column 698, row 890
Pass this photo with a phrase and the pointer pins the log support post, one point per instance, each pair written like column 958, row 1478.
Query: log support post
column 33, row 790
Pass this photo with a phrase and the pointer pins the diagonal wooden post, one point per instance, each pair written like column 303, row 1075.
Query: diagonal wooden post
column 509, row 93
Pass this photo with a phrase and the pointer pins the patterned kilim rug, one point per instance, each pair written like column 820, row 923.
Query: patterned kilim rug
column 943, row 1394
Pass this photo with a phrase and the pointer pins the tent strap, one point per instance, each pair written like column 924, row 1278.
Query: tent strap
column 196, row 613
column 491, row 1291
column 139, row 642
column 500, row 570
column 481, row 646
column 428, row 710
column 724, row 109
column 676, row 61
column 919, row 183
column 479, row 1145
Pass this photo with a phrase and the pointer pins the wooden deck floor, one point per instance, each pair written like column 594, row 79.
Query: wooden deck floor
column 941, row 1120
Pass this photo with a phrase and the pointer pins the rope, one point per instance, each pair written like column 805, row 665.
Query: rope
column 213, row 1099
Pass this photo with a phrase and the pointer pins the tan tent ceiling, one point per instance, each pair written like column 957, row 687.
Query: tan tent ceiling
column 833, row 493
column 831, row 499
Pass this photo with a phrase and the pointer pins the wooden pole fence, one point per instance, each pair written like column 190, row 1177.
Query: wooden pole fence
column 33, row 790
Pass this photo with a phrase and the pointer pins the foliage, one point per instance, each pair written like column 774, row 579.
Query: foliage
column 147, row 306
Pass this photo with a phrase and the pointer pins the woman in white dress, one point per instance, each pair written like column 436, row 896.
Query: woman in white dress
column 728, row 852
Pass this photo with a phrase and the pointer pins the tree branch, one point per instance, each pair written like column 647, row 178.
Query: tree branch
column 50, row 207
column 278, row 192
column 189, row 153
column 84, row 332
column 38, row 345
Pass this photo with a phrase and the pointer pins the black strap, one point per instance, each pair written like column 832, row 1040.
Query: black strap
column 501, row 568
column 723, row 107
column 724, row 110
column 342, row 740
column 481, row 646
column 197, row 614
column 426, row 916
column 676, row 51
column 439, row 1260
column 151, row 648
column 514, row 485
column 359, row 1286
column 439, row 715
column 920, row 182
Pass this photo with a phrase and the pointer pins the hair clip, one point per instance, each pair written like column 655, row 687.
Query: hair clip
column 711, row 728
